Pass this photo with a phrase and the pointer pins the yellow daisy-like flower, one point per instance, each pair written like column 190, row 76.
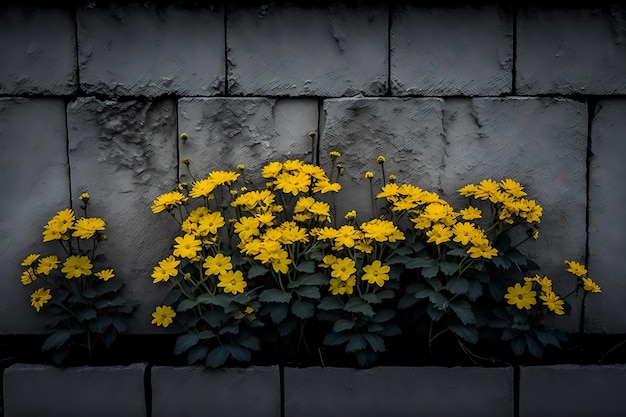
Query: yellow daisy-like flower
column 167, row 268
column 520, row 296
column 590, row 286
column 232, row 282
column 341, row 287
column 553, row 302
column 376, row 273
column 84, row 197
column 187, row 246
column 30, row 259
column 168, row 201
column 47, row 265
column 217, row 265
column 513, row 188
column 64, row 220
column 439, row 234
column 105, row 274
column 334, row 154
column 575, row 268
column 471, row 213
column 327, row 261
column 272, row 169
column 343, row 268
column 369, row 175
column 28, row 276
column 163, row 316
column 86, row 228
column 76, row 266
column 39, row 298
column 351, row 215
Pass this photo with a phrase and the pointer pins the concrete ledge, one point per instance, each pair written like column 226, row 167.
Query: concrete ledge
column 572, row 390
column 399, row 391
column 44, row 390
column 197, row 391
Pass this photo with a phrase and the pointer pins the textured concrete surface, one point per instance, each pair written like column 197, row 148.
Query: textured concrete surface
column 451, row 51
column 405, row 391
column 33, row 61
column 147, row 50
column 124, row 155
column 290, row 50
column 571, row 51
column 44, row 390
column 572, row 391
column 607, row 199
column 34, row 172
column 196, row 391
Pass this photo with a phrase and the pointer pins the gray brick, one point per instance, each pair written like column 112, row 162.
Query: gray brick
column 33, row 165
column 150, row 51
column 542, row 143
column 33, row 61
column 312, row 51
column 399, row 391
column 572, row 391
column 79, row 391
column 571, row 51
column 196, row 391
column 124, row 155
column 225, row 132
column 451, row 51
column 408, row 132
column 607, row 198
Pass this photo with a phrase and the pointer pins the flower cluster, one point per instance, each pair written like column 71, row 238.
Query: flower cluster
column 256, row 264
column 83, row 303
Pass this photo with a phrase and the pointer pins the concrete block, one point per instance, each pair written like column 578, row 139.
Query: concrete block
column 399, row 391
column 145, row 50
column 44, row 390
column 408, row 132
column 189, row 391
column 542, row 143
column 607, row 221
column 124, row 154
column 226, row 132
column 572, row 391
column 33, row 166
column 33, row 61
column 571, row 51
column 332, row 50
column 451, row 51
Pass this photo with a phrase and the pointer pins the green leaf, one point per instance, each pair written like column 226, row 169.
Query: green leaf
column 330, row 303
column 391, row 329
column 303, row 309
column 119, row 323
column 356, row 342
column 356, row 305
column 439, row 301
column 518, row 345
column 457, row 252
column 217, row 357
column 423, row 292
column 430, row 272
column 343, row 324
column 250, row 341
column 398, row 259
column 100, row 325
column 406, row 301
column 278, row 312
column 214, row 318
column 89, row 293
column 386, row 294
column 184, row 342
column 257, row 271
column 383, row 316
column 534, row 347
column 449, row 268
column 112, row 285
column 206, row 334
column 371, row 298
column 239, row 353
column 517, row 257
column 56, row 340
column 306, row 266
column 274, row 295
column 376, row 342
column 197, row 353
column 547, row 338
column 420, row 263
column 186, row 304
column 316, row 279
column 309, row 292
column 474, row 290
column 458, row 285
column 463, row 310
column 467, row 333
column 434, row 313
column 87, row 315
column 501, row 262
column 336, row 339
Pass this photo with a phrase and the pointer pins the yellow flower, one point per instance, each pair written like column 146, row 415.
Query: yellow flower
column 47, row 264
column 575, row 268
column 345, row 236
column 469, row 190
column 163, row 316
column 369, row 175
column 376, row 273
column 167, row 268
column 341, row 287
column 232, row 282
column 521, row 296
column 334, row 154
column 464, row 232
column 28, row 276
column 105, row 274
column 298, row 182
column 439, row 234
column 343, row 268
column 247, row 227
column 187, row 246
column 381, row 231
column 76, row 266
column 590, row 286
column 217, row 265
column 327, row 261
column 241, row 167
column 167, row 201
column 272, row 169
column 30, row 259
column 380, row 159
column 56, row 228
column 39, row 298
column 351, row 215
column 553, row 302
column 86, row 228
column 209, row 223
column 514, row 188
column 471, row 213
column 184, row 136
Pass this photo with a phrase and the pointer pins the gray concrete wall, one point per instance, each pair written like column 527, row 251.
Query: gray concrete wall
column 94, row 97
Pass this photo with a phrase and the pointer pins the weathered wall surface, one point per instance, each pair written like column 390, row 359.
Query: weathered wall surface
column 94, row 97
